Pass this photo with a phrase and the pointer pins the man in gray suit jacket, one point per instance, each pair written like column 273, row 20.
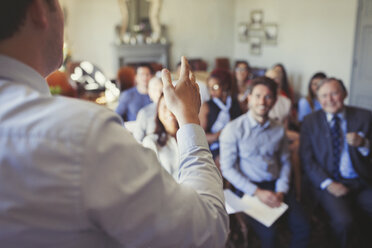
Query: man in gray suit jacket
column 336, row 154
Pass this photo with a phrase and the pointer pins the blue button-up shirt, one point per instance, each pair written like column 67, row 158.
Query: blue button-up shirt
column 251, row 152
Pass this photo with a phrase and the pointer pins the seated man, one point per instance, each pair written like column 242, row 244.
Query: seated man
column 335, row 152
column 133, row 99
column 255, row 160
column 145, row 123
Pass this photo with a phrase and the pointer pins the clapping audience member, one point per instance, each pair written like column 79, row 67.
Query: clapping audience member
column 72, row 176
column 242, row 76
column 310, row 103
column 336, row 154
column 163, row 141
column 255, row 160
column 133, row 99
column 220, row 109
column 145, row 122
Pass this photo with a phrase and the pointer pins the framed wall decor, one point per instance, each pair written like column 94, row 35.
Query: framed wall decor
column 270, row 33
column 255, row 45
column 257, row 18
column 243, row 30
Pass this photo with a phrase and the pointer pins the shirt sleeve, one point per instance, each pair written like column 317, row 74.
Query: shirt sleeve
column 366, row 148
column 282, row 184
column 135, row 201
column 229, row 158
column 139, row 132
column 303, row 109
column 121, row 109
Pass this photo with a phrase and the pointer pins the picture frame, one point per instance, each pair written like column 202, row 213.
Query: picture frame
column 271, row 33
column 257, row 18
column 243, row 32
column 255, row 45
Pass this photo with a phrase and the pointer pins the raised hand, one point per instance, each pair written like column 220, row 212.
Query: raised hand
column 183, row 99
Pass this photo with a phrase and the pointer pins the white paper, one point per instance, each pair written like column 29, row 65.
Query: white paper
column 252, row 206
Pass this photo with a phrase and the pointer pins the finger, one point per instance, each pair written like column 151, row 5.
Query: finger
column 167, row 81
column 192, row 77
column 185, row 69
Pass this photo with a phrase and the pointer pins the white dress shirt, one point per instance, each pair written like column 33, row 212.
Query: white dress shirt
column 168, row 154
column 72, row 176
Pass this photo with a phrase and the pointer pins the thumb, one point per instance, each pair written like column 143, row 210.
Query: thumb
column 167, row 81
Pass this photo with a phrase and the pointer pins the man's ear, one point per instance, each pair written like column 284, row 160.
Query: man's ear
column 38, row 13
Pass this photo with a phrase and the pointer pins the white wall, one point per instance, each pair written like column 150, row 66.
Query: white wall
column 199, row 28
column 313, row 35
column 91, row 31
column 196, row 28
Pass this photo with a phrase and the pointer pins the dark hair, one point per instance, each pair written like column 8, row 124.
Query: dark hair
column 327, row 80
column 159, row 127
column 284, row 83
column 268, row 82
column 310, row 94
column 224, row 78
column 148, row 66
column 13, row 15
column 242, row 62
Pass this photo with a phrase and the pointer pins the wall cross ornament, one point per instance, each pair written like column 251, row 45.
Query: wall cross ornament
column 258, row 33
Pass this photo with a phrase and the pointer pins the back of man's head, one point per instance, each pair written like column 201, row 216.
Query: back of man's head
column 268, row 82
column 12, row 16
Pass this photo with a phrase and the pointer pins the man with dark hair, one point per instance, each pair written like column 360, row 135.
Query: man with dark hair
column 255, row 160
column 135, row 98
column 335, row 152
column 72, row 176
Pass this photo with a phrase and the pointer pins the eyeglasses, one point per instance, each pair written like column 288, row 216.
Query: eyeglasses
column 240, row 69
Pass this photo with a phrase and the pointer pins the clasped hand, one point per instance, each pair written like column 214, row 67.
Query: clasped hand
column 270, row 198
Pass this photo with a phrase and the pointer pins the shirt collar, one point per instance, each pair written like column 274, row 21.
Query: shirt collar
column 341, row 115
column 19, row 72
column 253, row 123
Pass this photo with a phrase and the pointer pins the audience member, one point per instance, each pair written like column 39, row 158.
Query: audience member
column 163, row 140
column 310, row 103
column 255, row 160
column 336, row 152
column 242, row 72
column 282, row 108
column 145, row 122
column 285, row 87
column 281, row 111
column 133, row 99
column 126, row 77
column 220, row 109
column 71, row 176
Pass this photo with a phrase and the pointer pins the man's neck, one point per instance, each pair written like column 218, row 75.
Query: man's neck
column 260, row 119
column 15, row 50
column 142, row 90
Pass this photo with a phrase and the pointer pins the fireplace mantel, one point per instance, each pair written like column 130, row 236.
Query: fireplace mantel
column 141, row 53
